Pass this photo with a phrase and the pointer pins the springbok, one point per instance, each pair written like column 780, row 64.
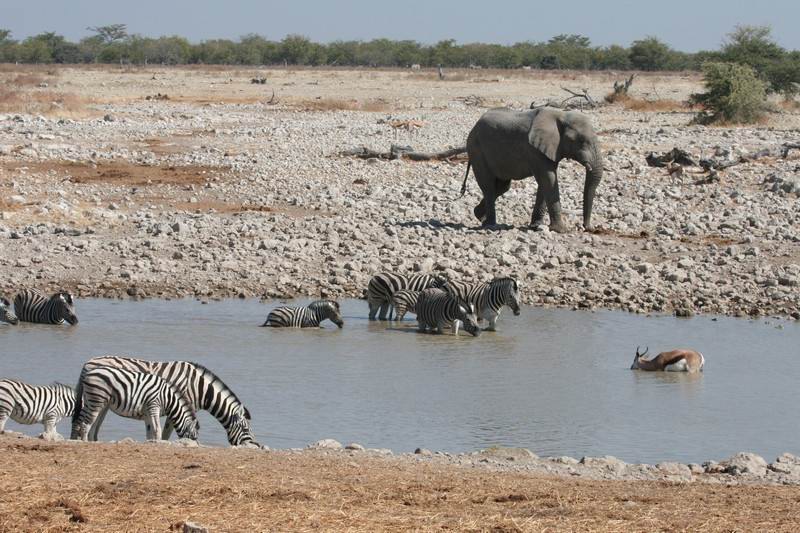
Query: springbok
column 673, row 361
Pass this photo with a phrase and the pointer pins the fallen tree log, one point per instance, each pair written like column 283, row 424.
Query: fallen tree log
column 684, row 158
column 403, row 152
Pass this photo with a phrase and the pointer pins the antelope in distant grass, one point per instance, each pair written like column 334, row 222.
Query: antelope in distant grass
column 672, row 361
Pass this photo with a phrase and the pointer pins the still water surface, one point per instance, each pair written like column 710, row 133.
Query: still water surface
column 555, row 381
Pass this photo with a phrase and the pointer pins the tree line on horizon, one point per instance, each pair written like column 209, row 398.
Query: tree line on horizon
column 749, row 45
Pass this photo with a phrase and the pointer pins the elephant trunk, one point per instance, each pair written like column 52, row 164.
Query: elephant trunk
column 594, row 173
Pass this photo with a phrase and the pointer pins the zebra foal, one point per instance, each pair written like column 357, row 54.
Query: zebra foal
column 438, row 309
column 31, row 305
column 204, row 390
column 6, row 314
column 305, row 317
column 382, row 286
column 30, row 404
column 134, row 395
column 488, row 298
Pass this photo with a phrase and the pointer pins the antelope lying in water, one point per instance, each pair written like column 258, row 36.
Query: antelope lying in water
column 672, row 361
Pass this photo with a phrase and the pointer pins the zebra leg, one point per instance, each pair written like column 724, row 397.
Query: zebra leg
column 86, row 420
column 384, row 308
column 456, row 326
column 153, row 423
column 166, row 433
column 95, row 429
column 50, row 433
column 492, row 318
column 373, row 309
column 3, row 418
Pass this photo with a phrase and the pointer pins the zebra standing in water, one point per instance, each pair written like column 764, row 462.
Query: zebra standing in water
column 305, row 317
column 134, row 395
column 382, row 286
column 438, row 309
column 404, row 301
column 6, row 314
column 31, row 305
column 199, row 385
column 29, row 404
column 488, row 298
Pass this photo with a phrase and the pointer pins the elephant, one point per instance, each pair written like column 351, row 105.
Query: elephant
column 506, row 145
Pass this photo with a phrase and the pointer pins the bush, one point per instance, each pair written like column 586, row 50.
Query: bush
column 734, row 94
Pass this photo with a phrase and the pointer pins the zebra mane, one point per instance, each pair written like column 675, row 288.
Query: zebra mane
column 216, row 378
column 4, row 302
column 59, row 385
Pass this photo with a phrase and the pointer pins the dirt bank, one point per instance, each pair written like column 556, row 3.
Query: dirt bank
column 148, row 487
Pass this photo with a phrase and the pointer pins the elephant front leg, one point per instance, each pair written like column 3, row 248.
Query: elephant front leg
column 553, row 199
column 539, row 209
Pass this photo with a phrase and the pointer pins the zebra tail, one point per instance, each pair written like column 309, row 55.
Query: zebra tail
column 464, row 185
column 78, row 406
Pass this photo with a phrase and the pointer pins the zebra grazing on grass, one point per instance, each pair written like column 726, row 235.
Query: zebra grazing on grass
column 488, row 298
column 305, row 317
column 134, row 395
column 6, row 314
column 29, row 404
column 438, row 309
column 382, row 286
column 200, row 386
column 32, row 306
column 404, row 301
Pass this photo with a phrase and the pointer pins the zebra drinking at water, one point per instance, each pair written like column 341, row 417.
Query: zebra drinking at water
column 382, row 286
column 29, row 404
column 200, row 386
column 438, row 309
column 488, row 298
column 305, row 317
column 404, row 301
column 6, row 314
column 31, row 305
column 134, row 395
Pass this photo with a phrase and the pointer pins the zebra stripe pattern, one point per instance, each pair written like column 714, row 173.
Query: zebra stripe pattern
column 382, row 286
column 29, row 404
column 438, row 309
column 134, row 395
column 204, row 390
column 32, row 306
column 6, row 314
column 404, row 301
column 488, row 298
column 305, row 317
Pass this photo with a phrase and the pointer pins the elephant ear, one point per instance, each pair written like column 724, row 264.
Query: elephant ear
column 544, row 135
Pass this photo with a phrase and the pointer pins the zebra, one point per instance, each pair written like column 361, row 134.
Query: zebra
column 6, row 314
column 437, row 309
column 382, row 286
column 404, row 301
column 30, row 404
column 31, row 305
column 134, row 395
column 305, row 317
column 200, row 385
column 488, row 298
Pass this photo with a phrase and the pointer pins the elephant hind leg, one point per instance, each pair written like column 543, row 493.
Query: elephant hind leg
column 487, row 182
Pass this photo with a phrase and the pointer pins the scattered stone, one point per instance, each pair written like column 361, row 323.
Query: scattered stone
column 326, row 444
column 745, row 463
column 355, row 447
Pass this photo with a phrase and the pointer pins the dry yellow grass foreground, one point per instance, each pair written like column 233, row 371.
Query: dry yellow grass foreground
column 146, row 487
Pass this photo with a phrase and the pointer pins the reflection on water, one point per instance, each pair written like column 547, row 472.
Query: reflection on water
column 555, row 381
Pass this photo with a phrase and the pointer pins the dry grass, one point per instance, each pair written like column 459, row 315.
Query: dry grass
column 150, row 487
column 43, row 102
column 334, row 104
column 640, row 104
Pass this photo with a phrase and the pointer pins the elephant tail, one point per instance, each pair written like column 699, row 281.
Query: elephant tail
column 464, row 185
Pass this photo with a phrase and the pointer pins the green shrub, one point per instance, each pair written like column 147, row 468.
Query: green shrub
column 734, row 94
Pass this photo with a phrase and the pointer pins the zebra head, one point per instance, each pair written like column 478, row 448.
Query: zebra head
column 509, row 292
column 468, row 318
column 65, row 307
column 187, row 426
column 6, row 314
column 239, row 432
column 439, row 281
column 328, row 309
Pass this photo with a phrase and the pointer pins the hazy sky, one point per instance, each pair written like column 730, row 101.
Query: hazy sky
column 687, row 25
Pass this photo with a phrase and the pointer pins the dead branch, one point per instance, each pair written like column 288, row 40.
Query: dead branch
column 272, row 99
column 620, row 90
column 403, row 152
column 584, row 95
column 676, row 155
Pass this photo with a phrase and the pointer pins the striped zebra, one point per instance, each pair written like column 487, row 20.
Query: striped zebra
column 382, row 286
column 404, row 301
column 488, row 298
column 203, row 389
column 305, row 317
column 134, row 395
column 29, row 404
column 438, row 309
column 31, row 305
column 6, row 314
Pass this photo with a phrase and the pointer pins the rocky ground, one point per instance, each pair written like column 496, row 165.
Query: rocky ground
column 186, row 182
column 111, row 487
